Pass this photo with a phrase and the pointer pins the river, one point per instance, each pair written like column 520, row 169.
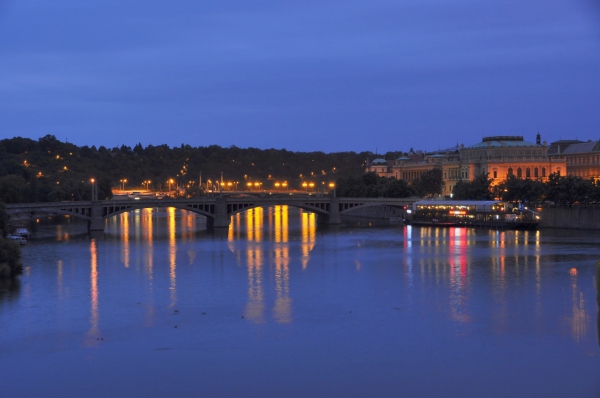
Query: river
column 278, row 306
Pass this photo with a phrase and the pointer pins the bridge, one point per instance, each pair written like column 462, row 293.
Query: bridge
column 218, row 210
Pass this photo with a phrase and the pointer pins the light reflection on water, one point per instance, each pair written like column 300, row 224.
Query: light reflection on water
column 307, row 302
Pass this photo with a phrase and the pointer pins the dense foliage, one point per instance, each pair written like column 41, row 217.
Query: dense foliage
column 478, row 189
column 430, row 183
column 10, row 252
column 50, row 170
column 558, row 189
column 370, row 185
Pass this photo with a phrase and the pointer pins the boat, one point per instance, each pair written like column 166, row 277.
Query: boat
column 18, row 239
column 473, row 213
column 23, row 232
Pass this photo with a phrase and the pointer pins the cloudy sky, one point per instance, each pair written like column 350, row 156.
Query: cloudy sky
column 301, row 75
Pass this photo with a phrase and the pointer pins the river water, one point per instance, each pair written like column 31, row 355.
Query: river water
column 278, row 306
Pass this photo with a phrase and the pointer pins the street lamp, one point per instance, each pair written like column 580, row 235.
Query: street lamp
column 170, row 182
column 249, row 186
column 305, row 186
column 94, row 189
column 277, row 185
column 332, row 185
column 311, row 185
column 284, row 185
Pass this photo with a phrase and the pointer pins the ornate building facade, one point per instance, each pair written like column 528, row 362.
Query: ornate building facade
column 582, row 158
column 497, row 157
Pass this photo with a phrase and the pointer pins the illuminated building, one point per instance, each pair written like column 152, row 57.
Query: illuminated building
column 496, row 156
column 582, row 158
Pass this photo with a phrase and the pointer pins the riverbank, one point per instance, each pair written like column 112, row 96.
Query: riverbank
column 570, row 218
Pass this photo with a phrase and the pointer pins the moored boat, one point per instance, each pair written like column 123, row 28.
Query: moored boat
column 473, row 213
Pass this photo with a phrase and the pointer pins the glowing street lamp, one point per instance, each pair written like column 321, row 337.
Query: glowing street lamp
column 170, row 182
column 249, row 186
column 332, row 185
column 284, row 184
column 94, row 189
column 305, row 186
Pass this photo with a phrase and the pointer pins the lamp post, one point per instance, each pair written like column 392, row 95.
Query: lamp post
column 305, row 186
column 332, row 185
column 284, row 185
column 94, row 190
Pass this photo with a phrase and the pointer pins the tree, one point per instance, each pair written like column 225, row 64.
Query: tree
column 430, row 182
column 478, row 189
column 10, row 252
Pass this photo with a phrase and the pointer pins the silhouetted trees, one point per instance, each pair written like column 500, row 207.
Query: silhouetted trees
column 561, row 190
column 370, row 185
column 51, row 170
column 10, row 252
column 478, row 189
column 430, row 183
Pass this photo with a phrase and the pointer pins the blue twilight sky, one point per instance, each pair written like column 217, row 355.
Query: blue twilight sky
column 301, row 75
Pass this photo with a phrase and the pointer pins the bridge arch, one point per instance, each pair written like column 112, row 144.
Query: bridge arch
column 120, row 209
column 232, row 209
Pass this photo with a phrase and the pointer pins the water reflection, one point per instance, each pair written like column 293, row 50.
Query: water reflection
column 9, row 289
column 282, row 311
column 94, row 331
column 271, row 244
column 598, row 298
column 172, row 256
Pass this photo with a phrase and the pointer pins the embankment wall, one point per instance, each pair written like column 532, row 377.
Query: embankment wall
column 573, row 218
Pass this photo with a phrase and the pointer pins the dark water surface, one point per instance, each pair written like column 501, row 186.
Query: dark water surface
column 278, row 307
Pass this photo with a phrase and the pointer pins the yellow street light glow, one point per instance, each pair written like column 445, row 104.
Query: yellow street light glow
column 304, row 184
column 331, row 185
column 277, row 184
column 249, row 184
column 256, row 184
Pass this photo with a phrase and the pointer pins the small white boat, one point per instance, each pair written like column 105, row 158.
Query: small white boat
column 18, row 239
column 23, row 232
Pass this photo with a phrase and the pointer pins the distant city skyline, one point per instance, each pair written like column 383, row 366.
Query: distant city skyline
column 313, row 76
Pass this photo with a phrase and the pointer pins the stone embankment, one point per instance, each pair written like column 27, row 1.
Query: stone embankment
column 576, row 217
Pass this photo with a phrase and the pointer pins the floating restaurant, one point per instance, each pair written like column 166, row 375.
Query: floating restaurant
column 472, row 213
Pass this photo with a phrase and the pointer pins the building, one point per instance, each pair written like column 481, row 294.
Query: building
column 496, row 156
column 582, row 158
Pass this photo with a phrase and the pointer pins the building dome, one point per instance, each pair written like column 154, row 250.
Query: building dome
column 403, row 158
column 379, row 161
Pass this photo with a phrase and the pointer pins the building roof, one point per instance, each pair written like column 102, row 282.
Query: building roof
column 581, row 148
column 438, row 156
column 502, row 141
column 558, row 147
column 403, row 158
column 379, row 161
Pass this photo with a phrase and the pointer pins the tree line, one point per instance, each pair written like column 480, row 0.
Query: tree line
column 370, row 185
column 10, row 251
column 560, row 190
column 50, row 170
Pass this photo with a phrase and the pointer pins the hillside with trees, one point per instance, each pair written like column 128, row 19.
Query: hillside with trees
column 51, row 170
